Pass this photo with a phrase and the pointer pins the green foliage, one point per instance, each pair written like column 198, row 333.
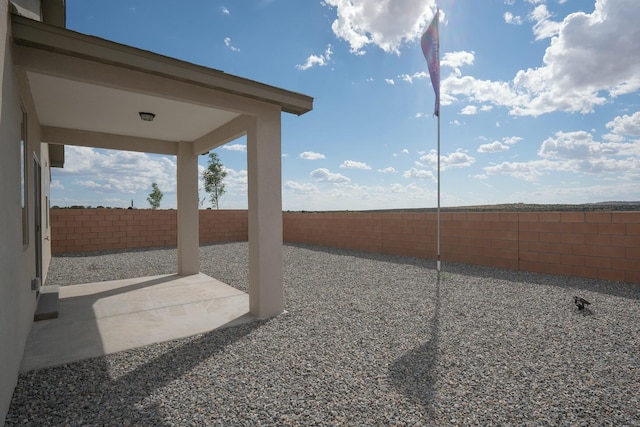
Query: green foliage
column 213, row 179
column 155, row 196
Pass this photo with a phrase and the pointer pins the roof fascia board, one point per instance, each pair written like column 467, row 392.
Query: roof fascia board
column 27, row 32
column 135, row 81
column 83, row 138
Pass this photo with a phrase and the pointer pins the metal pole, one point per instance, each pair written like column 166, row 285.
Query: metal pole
column 438, row 215
column 439, row 114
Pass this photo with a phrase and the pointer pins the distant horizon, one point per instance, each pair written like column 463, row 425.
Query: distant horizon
column 540, row 101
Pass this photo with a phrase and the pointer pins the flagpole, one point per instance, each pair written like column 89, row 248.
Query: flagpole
column 439, row 113
column 430, row 43
column 438, row 212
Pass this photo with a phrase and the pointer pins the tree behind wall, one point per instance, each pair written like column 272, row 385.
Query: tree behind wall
column 154, row 197
column 213, row 179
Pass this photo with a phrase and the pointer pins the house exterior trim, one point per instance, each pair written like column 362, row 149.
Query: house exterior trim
column 27, row 32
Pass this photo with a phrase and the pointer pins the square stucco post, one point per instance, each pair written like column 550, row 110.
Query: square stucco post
column 266, row 292
column 187, row 218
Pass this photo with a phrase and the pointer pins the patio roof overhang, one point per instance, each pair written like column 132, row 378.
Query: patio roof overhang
column 88, row 91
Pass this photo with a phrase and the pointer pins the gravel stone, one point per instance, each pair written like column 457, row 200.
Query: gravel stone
column 366, row 340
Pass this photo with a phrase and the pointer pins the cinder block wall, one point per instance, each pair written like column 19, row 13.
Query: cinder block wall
column 603, row 245
column 86, row 230
column 223, row 226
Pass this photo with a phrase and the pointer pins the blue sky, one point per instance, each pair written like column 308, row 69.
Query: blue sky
column 540, row 100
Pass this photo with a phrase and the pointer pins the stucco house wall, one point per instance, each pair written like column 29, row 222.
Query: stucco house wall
column 17, row 260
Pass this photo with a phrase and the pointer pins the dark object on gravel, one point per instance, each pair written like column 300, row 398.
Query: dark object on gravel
column 580, row 302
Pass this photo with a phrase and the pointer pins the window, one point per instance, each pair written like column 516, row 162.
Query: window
column 24, row 181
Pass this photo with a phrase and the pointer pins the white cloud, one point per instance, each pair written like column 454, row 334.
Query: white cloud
column 511, row 140
column 569, row 145
column 497, row 146
column 389, row 169
column 592, row 53
column 236, row 181
column 390, row 81
column 544, row 27
column 57, row 184
column 224, row 10
column 406, row 78
column 404, row 151
column 319, row 60
column 235, row 147
column 509, row 18
column 533, row 170
column 410, row 77
column 91, row 185
column 350, row 164
column 383, row 23
column 580, row 145
column 301, row 188
column 109, row 171
column 626, row 125
column 414, row 173
column 481, row 91
column 600, row 166
column 456, row 60
column 469, row 110
column 589, row 58
column 457, row 159
column 227, row 43
column 493, row 147
column 526, row 171
column 324, row 175
column 576, row 152
column 310, row 155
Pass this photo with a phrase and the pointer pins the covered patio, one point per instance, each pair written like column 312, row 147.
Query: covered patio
column 90, row 92
column 96, row 319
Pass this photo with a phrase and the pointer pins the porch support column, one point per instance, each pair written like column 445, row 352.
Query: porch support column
column 266, row 292
column 187, row 218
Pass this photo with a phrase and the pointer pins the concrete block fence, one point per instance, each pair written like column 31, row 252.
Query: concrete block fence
column 87, row 230
column 603, row 245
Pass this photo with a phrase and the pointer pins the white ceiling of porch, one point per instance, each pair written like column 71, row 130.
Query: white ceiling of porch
column 72, row 104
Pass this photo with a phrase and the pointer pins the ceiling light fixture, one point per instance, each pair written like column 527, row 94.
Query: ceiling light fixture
column 147, row 117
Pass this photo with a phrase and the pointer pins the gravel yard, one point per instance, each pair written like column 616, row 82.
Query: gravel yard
column 367, row 340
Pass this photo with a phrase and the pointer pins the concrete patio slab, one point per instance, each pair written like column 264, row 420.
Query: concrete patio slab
column 107, row 317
